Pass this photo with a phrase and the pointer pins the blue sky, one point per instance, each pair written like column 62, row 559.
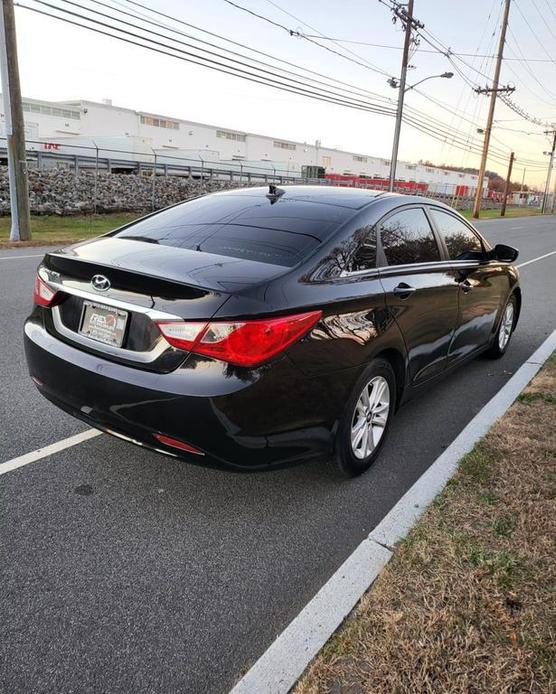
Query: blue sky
column 58, row 62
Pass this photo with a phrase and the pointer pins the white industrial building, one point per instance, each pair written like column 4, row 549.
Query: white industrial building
column 87, row 124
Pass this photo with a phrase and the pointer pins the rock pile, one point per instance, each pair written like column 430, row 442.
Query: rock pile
column 60, row 191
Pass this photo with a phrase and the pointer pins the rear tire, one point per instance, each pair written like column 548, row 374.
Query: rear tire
column 366, row 419
column 505, row 330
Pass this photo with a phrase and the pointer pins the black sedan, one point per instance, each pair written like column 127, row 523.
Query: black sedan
column 257, row 327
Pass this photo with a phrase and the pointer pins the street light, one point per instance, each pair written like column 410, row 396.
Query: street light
column 393, row 82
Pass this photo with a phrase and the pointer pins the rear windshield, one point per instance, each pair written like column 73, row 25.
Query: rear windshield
column 243, row 226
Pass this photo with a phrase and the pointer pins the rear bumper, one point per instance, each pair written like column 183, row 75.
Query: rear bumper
column 250, row 420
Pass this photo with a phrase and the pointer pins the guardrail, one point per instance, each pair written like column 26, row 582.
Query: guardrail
column 94, row 159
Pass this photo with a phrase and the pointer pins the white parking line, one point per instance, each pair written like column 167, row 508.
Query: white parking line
column 17, row 257
column 33, row 456
column 285, row 660
column 546, row 255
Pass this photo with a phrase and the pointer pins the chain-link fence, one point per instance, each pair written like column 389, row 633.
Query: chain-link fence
column 69, row 179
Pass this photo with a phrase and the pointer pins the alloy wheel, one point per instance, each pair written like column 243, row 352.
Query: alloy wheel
column 370, row 417
column 506, row 326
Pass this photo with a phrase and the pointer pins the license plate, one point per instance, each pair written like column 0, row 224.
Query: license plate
column 103, row 323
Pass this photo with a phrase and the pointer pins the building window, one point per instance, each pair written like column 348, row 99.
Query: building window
column 229, row 135
column 358, row 157
column 160, row 122
column 284, row 145
column 51, row 110
column 326, row 161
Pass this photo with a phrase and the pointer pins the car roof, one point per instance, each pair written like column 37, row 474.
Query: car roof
column 354, row 198
column 339, row 196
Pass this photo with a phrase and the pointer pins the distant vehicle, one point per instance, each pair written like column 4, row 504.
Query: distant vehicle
column 255, row 328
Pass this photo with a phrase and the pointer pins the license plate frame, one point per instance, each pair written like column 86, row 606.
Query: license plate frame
column 104, row 324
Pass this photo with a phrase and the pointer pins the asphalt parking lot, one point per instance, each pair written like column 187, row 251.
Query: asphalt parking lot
column 126, row 571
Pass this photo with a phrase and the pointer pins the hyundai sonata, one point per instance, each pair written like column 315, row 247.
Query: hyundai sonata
column 257, row 327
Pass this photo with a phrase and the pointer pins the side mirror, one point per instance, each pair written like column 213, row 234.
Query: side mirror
column 506, row 254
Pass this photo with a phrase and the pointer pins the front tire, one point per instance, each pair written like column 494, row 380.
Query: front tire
column 366, row 420
column 505, row 330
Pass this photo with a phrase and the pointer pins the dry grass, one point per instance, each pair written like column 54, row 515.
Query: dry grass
column 49, row 230
column 510, row 212
column 467, row 603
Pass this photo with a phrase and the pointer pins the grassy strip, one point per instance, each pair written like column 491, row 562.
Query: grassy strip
column 467, row 602
column 510, row 212
column 52, row 229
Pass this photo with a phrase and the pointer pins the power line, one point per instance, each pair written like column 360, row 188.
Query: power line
column 292, row 32
column 271, row 68
column 319, row 33
column 547, row 25
column 421, row 122
column 458, row 54
column 297, row 33
column 531, row 73
column 438, row 125
column 541, row 44
column 187, row 58
column 235, row 43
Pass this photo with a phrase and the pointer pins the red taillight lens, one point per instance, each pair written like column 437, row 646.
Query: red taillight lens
column 244, row 343
column 43, row 295
column 176, row 443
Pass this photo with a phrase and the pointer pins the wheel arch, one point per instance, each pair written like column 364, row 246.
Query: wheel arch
column 516, row 291
column 398, row 364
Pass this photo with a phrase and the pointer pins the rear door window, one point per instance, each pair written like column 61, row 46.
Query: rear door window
column 461, row 242
column 283, row 232
column 407, row 238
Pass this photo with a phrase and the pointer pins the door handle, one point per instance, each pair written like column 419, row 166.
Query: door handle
column 403, row 290
column 466, row 287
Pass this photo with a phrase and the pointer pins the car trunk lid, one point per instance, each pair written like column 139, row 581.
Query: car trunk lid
column 144, row 282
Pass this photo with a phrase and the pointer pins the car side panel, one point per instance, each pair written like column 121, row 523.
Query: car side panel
column 426, row 318
column 483, row 291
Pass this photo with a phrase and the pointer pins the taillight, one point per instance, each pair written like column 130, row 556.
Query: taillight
column 243, row 343
column 43, row 295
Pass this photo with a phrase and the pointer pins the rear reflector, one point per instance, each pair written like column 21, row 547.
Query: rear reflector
column 243, row 343
column 43, row 295
column 176, row 443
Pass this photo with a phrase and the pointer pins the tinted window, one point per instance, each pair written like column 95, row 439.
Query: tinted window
column 364, row 258
column 243, row 226
column 407, row 238
column 460, row 241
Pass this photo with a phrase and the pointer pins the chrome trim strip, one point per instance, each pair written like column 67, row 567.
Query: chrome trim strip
column 357, row 273
column 424, row 267
column 161, row 344
column 152, row 313
column 416, row 267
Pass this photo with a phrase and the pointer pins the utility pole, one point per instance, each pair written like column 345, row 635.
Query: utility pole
column 507, row 186
column 15, row 126
column 493, row 93
column 406, row 17
column 549, row 174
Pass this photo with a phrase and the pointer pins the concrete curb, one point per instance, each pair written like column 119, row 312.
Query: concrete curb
column 285, row 660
